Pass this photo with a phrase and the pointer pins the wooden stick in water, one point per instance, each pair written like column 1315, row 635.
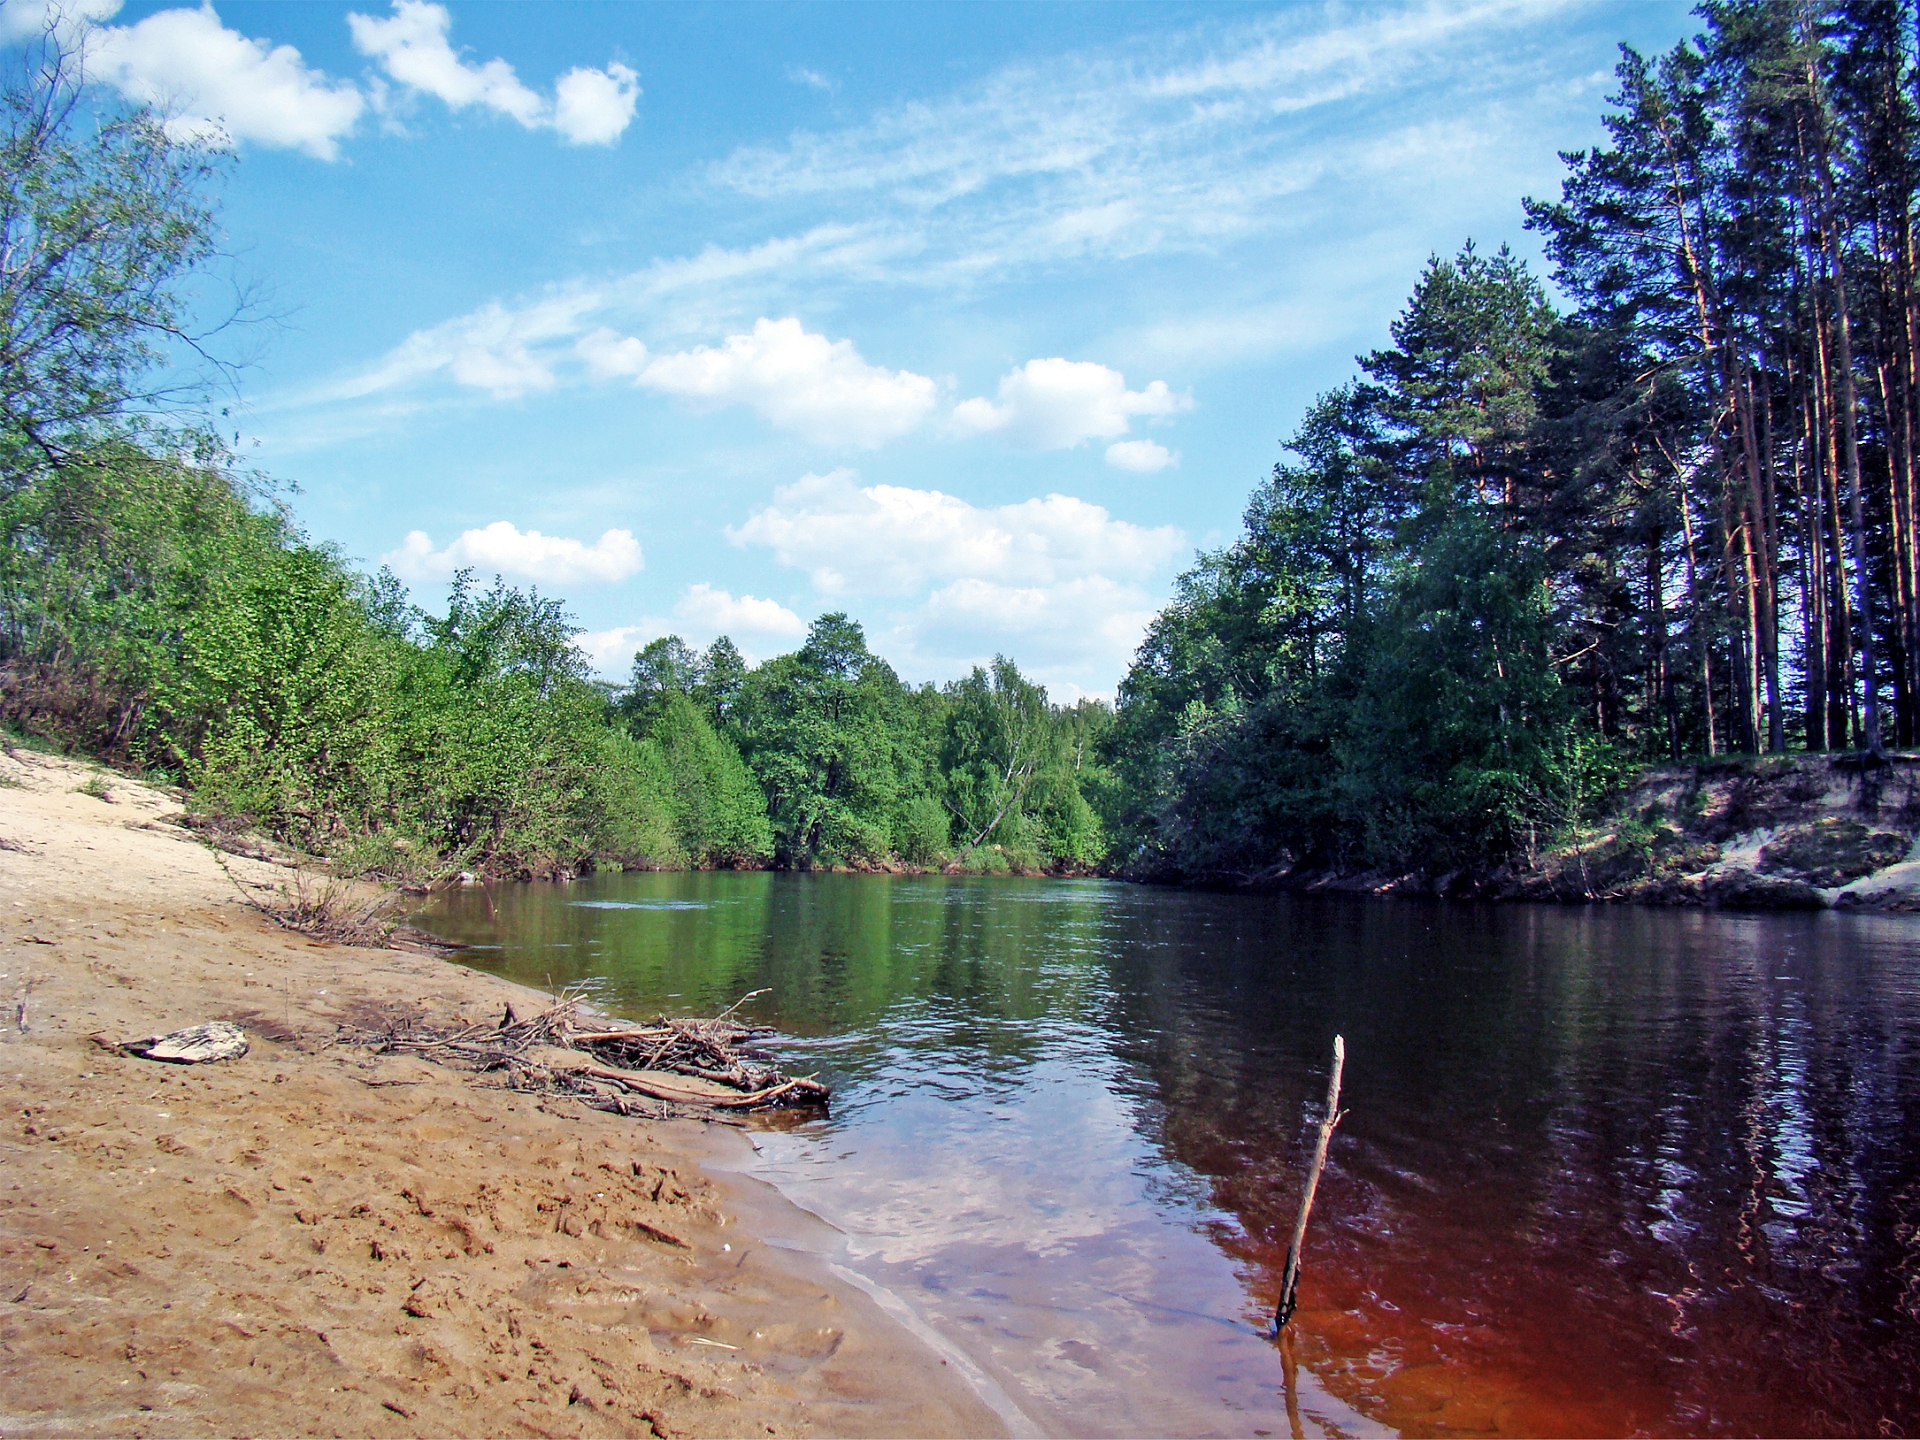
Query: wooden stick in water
column 1290, row 1278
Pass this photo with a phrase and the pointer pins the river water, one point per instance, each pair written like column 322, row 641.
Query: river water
column 1604, row 1170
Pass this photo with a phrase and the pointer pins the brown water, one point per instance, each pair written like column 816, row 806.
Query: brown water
column 1604, row 1170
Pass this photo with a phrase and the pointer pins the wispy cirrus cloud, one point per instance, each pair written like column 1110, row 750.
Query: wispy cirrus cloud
column 1131, row 149
column 1218, row 136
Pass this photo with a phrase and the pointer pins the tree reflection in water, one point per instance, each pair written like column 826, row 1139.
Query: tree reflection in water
column 1604, row 1169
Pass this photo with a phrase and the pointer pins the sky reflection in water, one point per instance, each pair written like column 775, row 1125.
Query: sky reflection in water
column 1604, row 1170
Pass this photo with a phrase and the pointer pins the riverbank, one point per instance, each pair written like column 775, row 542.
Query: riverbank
column 1773, row 832
column 312, row 1240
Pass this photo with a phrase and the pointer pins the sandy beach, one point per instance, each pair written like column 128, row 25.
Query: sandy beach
column 314, row 1240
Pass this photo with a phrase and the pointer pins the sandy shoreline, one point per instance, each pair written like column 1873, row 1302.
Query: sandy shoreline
column 313, row 1241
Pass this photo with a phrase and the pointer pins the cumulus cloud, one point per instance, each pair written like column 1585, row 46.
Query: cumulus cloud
column 590, row 107
column 501, row 548
column 1055, row 404
column 594, row 107
column 945, row 584
column 611, row 651
column 892, row 539
column 1090, row 624
column 708, row 612
column 212, row 82
column 818, row 388
column 702, row 613
column 608, row 354
column 215, row 83
column 411, row 46
column 66, row 18
column 1143, row 457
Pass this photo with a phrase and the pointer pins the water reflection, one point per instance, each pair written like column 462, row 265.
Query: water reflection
column 1604, row 1171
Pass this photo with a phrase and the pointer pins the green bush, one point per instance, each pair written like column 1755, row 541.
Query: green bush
column 924, row 832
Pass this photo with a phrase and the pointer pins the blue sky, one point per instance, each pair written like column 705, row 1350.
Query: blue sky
column 972, row 320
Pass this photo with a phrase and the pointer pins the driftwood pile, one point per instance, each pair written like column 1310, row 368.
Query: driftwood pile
column 691, row 1067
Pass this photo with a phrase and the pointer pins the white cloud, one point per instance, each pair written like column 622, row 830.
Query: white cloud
column 590, row 107
column 1195, row 109
column 708, row 612
column 610, row 652
column 818, row 388
column 890, row 539
column 608, row 354
column 694, row 287
column 1231, row 129
column 1085, row 626
column 67, row 19
column 214, row 82
column 1055, row 404
column 594, row 107
column 411, row 46
column 1143, row 457
column 494, row 348
column 1196, row 140
column 759, row 628
column 944, row 584
column 503, row 549
column 812, row 79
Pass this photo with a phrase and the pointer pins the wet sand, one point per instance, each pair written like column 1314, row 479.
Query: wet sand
column 311, row 1240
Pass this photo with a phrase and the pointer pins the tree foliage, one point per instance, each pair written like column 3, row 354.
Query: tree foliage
column 1528, row 547
column 105, row 225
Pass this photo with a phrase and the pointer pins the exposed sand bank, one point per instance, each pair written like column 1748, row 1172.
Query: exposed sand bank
column 312, row 1241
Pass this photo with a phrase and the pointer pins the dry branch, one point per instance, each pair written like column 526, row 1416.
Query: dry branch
column 690, row 1066
column 1290, row 1277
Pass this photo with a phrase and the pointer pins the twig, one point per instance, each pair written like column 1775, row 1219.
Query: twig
column 751, row 994
column 1290, row 1277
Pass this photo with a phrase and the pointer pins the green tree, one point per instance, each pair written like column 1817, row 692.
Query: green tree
column 1458, row 392
column 998, row 738
column 820, row 729
column 104, row 223
column 719, row 812
column 666, row 666
column 1460, row 719
column 722, row 674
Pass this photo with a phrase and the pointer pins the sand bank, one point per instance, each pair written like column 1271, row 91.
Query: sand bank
column 313, row 1241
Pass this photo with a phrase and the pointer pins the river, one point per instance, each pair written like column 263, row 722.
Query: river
column 1604, row 1170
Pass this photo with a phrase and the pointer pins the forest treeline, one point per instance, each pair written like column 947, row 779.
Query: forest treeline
column 153, row 616
column 1533, row 543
